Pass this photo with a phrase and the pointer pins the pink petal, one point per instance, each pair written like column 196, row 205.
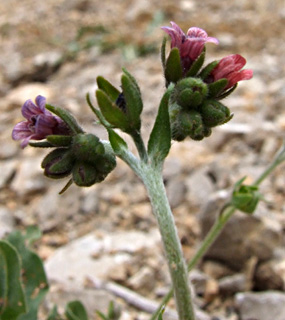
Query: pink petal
column 21, row 131
column 41, row 103
column 195, row 32
column 29, row 109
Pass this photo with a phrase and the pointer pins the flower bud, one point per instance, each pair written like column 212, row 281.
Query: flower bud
column 58, row 163
column 86, row 174
column 214, row 113
column 189, row 123
column 189, row 93
column 87, row 147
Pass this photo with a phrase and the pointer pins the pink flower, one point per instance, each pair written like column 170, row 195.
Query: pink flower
column 190, row 45
column 230, row 68
column 40, row 123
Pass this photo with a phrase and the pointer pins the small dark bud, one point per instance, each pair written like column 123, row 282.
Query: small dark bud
column 214, row 113
column 121, row 102
column 58, row 163
column 189, row 93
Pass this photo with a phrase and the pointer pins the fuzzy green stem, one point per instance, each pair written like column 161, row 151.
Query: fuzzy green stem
column 218, row 226
column 140, row 145
column 153, row 181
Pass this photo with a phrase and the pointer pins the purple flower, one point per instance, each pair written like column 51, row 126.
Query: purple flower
column 39, row 124
column 230, row 68
column 190, row 45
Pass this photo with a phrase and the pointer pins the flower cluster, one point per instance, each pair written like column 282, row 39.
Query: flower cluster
column 195, row 105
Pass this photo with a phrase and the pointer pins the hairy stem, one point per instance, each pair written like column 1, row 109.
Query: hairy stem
column 153, row 181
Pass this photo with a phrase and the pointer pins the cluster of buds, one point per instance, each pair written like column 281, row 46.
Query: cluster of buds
column 195, row 105
column 77, row 154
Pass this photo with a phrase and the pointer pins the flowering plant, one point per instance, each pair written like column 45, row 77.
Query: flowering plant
column 189, row 108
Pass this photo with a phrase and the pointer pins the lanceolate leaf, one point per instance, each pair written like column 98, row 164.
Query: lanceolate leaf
column 162, row 52
column 132, row 79
column 66, row 117
column 75, row 311
column 160, row 137
column 108, row 88
column 34, row 277
column 12, row 297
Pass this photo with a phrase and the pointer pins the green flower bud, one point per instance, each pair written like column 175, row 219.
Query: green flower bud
column 87, row 147
column 214, row 113
column 189, row 123
column 86, row 174
column 189, row 93
column 58, row 163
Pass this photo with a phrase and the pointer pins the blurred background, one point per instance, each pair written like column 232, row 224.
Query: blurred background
column 57, row 48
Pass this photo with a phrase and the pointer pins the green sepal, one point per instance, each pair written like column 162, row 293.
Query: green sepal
column 67, row 117
column 162, row 52
column 132, row 79
column 34, row 277
column 133, row 100
column 111, row 91
column 75, row 311
column 58, row 163
column 59, row 140
column 197, row 64
column 41, row 144
column 160, row 138
column 217, row 87
column 227, row 92
column 207, row 70
column 118, row 144
column 245, row 198
column 98, row 113
column 173, row 71
column 111, row 112
column 67, row 185
column 12, row 297
column 106, row 163
column 214, row 113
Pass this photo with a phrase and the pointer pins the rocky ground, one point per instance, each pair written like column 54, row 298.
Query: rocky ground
column 57, row 48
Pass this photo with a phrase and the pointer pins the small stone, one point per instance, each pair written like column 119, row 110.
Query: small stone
column 232, row 284
column 8, row 169
column 216, row 269
column 143, row 280
column 261, row 306
column 266, row 278
column 199, row 280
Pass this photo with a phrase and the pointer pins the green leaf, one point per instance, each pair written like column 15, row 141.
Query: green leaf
column 111, row 112
column 173, row 69
column 160, row 138
column 59, row 140
column 75, row 311
column 118, row 144
column 227, row 92
column 132, row 79
column 133, row 101
column 197, row 64
column 67, row 117
column 161, row 312
column 12, row 297
column 34, row 277
column 108, row 88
